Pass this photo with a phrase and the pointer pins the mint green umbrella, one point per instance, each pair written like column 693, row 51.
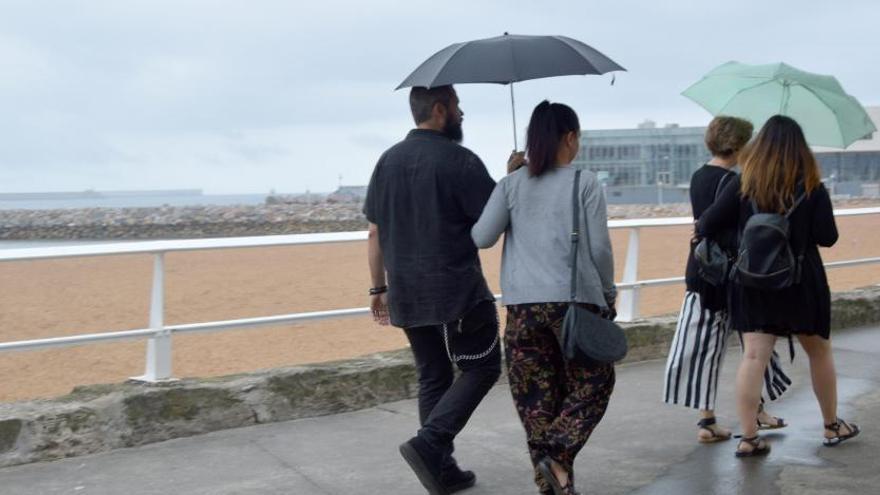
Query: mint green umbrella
column 828, row 115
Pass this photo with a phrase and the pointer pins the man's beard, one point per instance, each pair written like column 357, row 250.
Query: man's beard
column 452, row 130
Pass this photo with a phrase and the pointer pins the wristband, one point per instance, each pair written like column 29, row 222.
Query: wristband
column 375, row 291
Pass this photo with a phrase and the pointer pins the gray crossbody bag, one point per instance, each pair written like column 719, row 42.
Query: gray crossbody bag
column 587, row 338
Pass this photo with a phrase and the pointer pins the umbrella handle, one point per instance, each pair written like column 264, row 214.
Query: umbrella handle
column 513, row 111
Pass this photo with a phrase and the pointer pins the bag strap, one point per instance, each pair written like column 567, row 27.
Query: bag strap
column 575, row 232
column 721, row 183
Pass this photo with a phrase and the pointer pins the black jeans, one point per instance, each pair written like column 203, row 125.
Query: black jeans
column 445, row 403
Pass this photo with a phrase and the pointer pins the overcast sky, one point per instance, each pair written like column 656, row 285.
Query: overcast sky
column 248, row 96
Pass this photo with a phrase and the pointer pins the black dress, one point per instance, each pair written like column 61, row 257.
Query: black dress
column 804, row 308
column 704, row 184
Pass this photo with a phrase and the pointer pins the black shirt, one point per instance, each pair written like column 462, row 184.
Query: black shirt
column 425, row 194
column 704, row 184
column 803, row 308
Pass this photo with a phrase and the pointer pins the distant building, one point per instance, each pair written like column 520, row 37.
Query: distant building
column 643, row 156
column 856, row 170
column 628, row 160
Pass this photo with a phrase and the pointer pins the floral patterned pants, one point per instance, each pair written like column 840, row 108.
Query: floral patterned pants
column 559, row 403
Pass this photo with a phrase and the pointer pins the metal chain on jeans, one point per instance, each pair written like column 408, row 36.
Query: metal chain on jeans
column 468, row 357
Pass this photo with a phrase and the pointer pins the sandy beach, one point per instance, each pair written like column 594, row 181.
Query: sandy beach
column 66, row 297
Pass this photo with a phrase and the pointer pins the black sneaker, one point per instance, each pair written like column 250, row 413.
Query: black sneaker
column 417, row 454
column 456, row 480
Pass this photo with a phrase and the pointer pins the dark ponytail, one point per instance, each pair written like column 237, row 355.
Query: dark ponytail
column 549, row 122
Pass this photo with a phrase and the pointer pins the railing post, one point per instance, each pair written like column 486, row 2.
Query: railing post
column 158, row 367
column 628, row 300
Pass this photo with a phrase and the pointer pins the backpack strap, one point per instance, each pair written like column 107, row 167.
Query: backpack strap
column 800, row 198
column 798, row 188
column 799, row 259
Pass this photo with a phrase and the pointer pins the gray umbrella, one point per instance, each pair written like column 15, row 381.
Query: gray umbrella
column 508, row 59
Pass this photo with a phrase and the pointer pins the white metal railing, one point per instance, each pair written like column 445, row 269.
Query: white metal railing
column 158, row 359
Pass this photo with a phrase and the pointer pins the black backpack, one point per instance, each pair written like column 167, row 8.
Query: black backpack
column 766, row 260
column 713, row 262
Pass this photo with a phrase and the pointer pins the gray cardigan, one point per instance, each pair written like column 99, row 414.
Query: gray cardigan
column 535, row 215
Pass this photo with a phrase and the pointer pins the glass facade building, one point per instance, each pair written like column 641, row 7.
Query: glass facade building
column 643, row 156
column 650, row 155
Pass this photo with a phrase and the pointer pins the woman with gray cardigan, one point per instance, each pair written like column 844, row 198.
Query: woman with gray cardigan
column 559, row 402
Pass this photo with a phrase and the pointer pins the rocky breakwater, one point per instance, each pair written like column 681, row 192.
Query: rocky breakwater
column 180, row 222
column 280, row 215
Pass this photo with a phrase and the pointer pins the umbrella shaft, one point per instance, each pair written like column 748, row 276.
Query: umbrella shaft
column 513, row 110
column 786, row 95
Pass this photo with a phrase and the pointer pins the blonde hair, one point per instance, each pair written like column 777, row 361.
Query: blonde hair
column 775, row 161
column 726, row 136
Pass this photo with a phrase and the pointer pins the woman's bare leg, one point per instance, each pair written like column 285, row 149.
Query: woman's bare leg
column 757, row 348
column 824, row 377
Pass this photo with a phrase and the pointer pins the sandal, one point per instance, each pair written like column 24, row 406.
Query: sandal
column 838, row 438
column 547, row 473
column 705, row 424
column 774, row 425
column 759, row 447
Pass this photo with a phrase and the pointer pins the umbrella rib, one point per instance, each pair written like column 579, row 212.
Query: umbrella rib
column 445, row 65
column 515, row 74
column 581, row 55
column 833, row 110
column 741, row 91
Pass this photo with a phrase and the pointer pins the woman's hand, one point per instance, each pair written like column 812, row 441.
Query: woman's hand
column 379, row 307
column 517, row 159
column 611, row 312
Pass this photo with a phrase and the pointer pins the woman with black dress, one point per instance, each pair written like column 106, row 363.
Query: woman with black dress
column 699, row 345
column 778, row 169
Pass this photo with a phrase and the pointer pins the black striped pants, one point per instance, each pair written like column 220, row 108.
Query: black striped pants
column 696, row 356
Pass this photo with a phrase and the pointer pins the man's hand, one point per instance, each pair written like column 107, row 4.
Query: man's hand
column 517, row 159
column 378, row 302
column 379, row 307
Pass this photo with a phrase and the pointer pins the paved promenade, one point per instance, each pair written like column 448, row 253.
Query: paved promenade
column 642, row 447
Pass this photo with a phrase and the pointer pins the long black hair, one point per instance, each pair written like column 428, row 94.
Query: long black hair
column 549, row 123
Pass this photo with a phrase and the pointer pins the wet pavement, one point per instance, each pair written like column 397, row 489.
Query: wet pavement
column 642, row 447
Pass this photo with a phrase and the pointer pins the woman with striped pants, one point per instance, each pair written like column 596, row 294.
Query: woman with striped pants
column 703, row 330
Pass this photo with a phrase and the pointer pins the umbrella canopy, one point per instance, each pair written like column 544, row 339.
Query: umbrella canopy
column 828, row 115
column 508, row 59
